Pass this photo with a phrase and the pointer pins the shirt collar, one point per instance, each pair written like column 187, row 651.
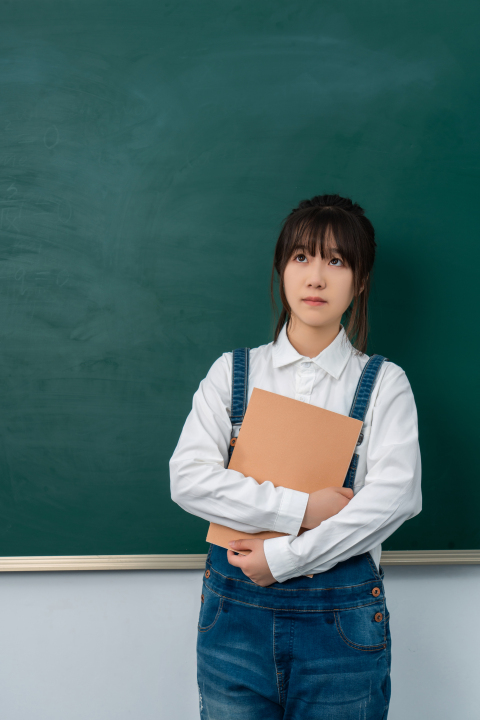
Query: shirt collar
column 332, row 359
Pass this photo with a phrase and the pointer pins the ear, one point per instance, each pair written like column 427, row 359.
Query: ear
column 363, row 285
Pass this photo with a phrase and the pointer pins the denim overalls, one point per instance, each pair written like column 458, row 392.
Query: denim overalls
column 304, row 649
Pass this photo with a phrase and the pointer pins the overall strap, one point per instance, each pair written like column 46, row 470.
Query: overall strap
column 240, row 367
column 365, row 387
column 361, row 401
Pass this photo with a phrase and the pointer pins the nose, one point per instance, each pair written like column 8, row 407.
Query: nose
column 316, row 276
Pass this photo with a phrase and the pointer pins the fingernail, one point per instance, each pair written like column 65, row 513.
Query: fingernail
column 232, row 542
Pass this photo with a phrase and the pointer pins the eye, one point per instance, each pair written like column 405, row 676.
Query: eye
column 300, row 255
column 338, row 260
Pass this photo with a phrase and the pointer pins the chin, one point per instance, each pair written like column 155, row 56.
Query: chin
column 314, row 322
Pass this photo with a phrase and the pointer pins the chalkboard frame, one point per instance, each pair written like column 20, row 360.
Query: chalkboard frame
column 196, row 561
column 130, row 141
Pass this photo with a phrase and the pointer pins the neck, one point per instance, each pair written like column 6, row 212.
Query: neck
column 308, row 340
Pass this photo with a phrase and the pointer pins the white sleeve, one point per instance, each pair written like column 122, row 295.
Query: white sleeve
column 201, row 484
column 391, row 493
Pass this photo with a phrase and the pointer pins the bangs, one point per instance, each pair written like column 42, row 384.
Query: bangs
column 326, row 231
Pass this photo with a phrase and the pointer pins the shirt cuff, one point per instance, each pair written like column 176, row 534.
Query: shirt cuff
column 291, row 511
column 280, row 558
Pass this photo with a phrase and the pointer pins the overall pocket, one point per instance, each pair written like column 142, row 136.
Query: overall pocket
column 210, row 609
column 363, row 628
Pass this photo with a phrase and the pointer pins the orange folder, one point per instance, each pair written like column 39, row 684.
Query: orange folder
column 292, row 444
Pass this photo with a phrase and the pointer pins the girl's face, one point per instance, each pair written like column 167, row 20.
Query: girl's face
column 308, row 277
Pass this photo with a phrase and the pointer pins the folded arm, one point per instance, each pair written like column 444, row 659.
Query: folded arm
column 202, row 485
column 391, row 494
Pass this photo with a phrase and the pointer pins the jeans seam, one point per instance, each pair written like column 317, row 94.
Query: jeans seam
column 308, row 590
column 205, row 628
column 357, row 646
column 275, row 662
column 373, row 566
column 287, row 609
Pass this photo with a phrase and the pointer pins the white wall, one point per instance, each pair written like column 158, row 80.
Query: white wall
column 120, row 645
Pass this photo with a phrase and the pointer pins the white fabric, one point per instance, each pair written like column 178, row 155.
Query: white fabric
column 387, row 488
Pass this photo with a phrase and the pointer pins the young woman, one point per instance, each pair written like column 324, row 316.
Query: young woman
column 273, row 643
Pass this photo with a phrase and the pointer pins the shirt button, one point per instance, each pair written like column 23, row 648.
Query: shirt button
column 207, row 573
column 378, row 617
column 306, row 365
column 376, row 591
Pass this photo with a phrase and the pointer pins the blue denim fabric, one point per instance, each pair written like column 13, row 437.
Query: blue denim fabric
column 360, row 403
column 304, row 649
column 240, row 367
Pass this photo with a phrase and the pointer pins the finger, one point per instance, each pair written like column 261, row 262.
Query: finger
column 348, row 492
column 234, row 559
column 239, row 544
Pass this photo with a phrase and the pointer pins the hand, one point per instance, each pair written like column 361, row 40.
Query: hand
column 254, row 565
column 325, row 503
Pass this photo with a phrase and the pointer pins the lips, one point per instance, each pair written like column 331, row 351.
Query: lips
column 314, row 299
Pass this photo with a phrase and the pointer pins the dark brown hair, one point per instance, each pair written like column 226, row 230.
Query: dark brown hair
column 307, row 226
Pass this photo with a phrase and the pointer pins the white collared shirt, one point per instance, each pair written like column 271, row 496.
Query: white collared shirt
column 387, row 489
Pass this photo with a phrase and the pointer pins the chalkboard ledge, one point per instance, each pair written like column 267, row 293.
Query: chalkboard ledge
column 197, row 561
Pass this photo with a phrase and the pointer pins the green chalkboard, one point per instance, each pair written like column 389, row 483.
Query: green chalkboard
column 149, row 152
